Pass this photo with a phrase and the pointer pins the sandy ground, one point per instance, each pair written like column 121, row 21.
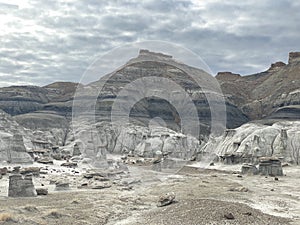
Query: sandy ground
column 202, row 197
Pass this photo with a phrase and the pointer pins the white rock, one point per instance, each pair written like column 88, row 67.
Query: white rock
column 251, row 141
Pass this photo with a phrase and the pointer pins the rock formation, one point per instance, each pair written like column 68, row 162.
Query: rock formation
column 262, row 95
column 294, row 57
column 135, row 140
column 228, row 76
column 20, row 186
column 276, row 66
column 39, row 118
column 12, row 148
column 250, row 142
column 269, row 166
column 250, row 169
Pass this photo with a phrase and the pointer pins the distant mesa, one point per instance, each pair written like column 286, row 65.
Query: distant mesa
column 294, row 57
column 227, row 76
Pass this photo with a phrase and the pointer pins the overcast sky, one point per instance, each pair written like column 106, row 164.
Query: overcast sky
column 56, row 40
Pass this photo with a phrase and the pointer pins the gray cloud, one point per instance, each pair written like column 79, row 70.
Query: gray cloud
column 47, row 41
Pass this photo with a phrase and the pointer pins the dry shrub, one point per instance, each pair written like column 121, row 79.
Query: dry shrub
column 54, row 214
column 31, row 208
column 5, row 217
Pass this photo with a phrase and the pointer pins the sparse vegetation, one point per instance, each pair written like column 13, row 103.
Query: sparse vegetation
column 31, row 208
column 5, row 217
column 54, row 214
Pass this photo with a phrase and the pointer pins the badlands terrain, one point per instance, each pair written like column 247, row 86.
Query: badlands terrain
column 62, row 166
column 202, row 197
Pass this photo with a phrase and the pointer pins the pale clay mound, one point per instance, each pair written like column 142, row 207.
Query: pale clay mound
column 251, row 141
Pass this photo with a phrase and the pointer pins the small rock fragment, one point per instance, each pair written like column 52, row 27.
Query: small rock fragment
column 239, row 189
column 166, row 199
column 248, row 213
column 61, row 186
column 42, row 191
column 100, row 186
column 45, row 160
column 229, row 216
column 69, row 164
column 35, row 171
column 3, row 171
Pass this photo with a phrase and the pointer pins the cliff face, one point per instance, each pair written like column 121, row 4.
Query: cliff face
column 270, row 94
column 42, row 114
column 294, row 57
column 251, row 141
column 39, row 107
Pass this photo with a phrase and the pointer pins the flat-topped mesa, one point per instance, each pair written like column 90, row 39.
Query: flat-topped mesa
column 276, row 66
column 227, row 76
column 145, row 52
column 294, row 57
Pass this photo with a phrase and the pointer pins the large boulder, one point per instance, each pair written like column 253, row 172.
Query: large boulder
column 20, row 186
column 270, row 166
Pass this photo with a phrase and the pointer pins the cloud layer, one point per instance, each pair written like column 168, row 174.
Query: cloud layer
column 47, row 41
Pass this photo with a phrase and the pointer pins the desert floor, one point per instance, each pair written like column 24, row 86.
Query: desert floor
column 203, row 196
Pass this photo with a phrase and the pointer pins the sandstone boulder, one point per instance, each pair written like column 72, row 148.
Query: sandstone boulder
column 42, row 191
column 166, row 199
column 20, row 186
column 270, row 166
column 62, row 186
column 249, row 169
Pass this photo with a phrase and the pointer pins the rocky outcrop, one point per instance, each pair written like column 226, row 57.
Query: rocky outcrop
column 286, row 113
column 228, row 76
column 20, row 186
column 250, row 142
column 259, row 95
column 157, row 68
column 54, row 98
column 17, row 152
column 46, row 111
column 248, row 168
column 40, row 116
column 288, row 98
column 269, row 166
column 145, row 52
column 16, row 142
column 133, row 140
column 294, row 57
column 13, row 141
column 276, row 66
column 61, row 91
column 16, row 100
column 254, row 96
column 42, row 120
